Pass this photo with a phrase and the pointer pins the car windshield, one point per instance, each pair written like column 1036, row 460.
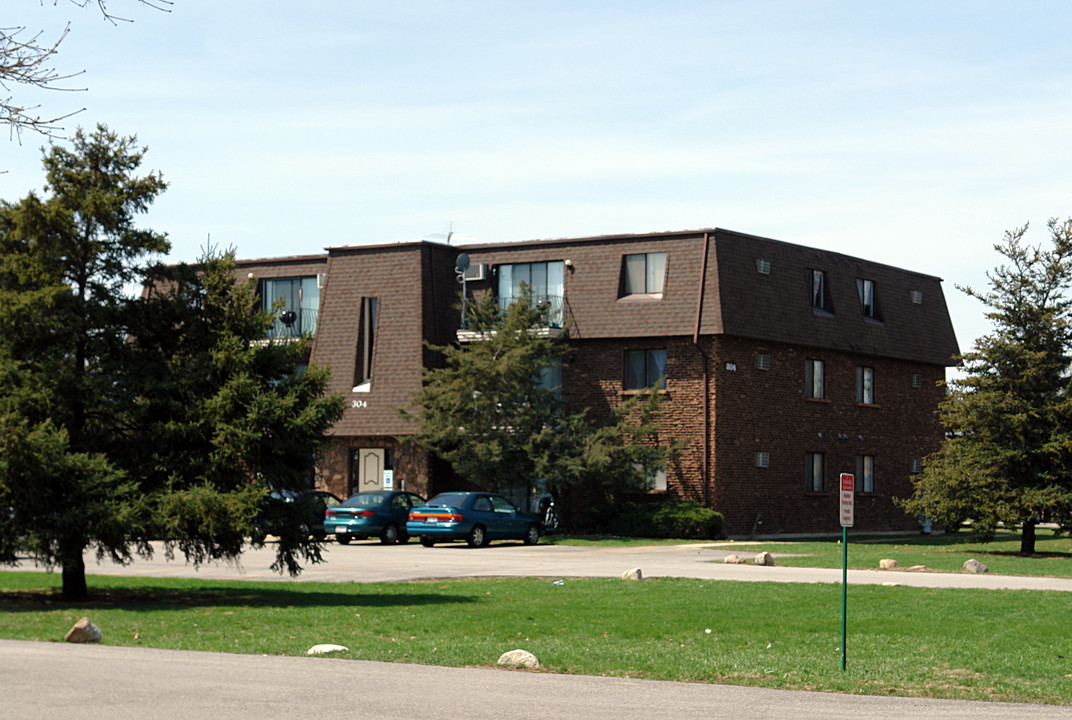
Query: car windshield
column 366, row 499
column 454, row 500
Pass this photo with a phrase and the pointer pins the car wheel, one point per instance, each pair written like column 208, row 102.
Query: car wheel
column 532, row 535
column 389, row 534
column 427, row 541
column 478, row 537
column 342, row 539
column 403, row 537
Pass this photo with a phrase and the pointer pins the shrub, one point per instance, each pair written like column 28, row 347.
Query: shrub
column 675, row 519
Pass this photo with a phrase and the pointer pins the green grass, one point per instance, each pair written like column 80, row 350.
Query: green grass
column 943, row 553
column 986, row 645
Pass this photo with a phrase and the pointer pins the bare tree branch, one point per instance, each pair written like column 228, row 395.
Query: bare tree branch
column 29, row 62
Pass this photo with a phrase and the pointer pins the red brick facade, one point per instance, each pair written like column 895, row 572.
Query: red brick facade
column 727, row 299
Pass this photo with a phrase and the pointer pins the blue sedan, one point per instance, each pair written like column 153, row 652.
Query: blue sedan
column 476, row 517
column 381, row 513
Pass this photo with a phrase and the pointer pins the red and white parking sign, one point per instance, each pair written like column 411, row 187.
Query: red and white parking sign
column 847, row 496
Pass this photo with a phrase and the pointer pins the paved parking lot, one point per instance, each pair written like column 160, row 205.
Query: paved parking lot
column 372, row 562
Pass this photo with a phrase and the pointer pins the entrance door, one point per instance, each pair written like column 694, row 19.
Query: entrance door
column 370, row 469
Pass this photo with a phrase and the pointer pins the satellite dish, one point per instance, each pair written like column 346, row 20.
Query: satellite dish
column 462, row 263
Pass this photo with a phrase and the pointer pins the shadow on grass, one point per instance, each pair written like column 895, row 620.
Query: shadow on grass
column 153, row 598
column 1018, row 554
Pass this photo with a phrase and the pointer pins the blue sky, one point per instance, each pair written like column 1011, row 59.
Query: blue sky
column 911, row 133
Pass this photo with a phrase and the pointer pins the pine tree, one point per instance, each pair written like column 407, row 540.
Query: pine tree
column 130, row 419
column 1008, row 454
column 490, row 414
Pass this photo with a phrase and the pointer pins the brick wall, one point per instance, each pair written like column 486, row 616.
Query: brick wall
column 592, row 379
column 766, row 411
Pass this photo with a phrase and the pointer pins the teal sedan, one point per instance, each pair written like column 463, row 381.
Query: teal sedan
column 476, row 517
column 376, row 513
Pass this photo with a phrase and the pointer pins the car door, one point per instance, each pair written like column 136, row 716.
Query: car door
column 482, row 512
column 507, row 523
column 399, row 509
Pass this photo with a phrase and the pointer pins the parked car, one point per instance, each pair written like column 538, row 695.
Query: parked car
column 304, row 508
column 476, row 517
column 381, row 513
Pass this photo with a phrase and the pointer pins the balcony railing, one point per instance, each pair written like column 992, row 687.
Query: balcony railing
column 554, row 305
column 293, row 323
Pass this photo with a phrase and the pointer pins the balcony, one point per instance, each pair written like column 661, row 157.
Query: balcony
column 293, row 324
column 555, row 305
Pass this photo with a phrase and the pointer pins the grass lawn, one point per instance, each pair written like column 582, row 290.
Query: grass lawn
column 968, row 644
column 944, row 553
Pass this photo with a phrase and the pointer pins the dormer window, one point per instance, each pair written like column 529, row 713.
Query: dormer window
column 544, row 280
column 868, row 303
column 643, row 274
column 820, row 293
column 295, row 302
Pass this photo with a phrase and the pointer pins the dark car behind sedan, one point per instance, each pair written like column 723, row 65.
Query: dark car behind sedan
column 301, row 511
column 379, row 513
column 476, row 517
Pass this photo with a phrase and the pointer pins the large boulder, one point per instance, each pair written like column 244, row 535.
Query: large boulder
column 974, row 566
column 733, row 559
column 765, row 558
column 83, row 631
column 633, row 574
column 887, row 564
column 519, row 659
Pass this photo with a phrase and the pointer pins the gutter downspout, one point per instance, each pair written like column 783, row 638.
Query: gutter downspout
column 704, row 375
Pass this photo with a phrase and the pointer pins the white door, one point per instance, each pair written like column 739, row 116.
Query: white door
column 370, row 469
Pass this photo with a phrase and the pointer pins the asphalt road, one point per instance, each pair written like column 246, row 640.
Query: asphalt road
column 50, row 680
column 94, row 682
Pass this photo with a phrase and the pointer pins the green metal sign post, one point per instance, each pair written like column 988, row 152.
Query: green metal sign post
column 847, row 518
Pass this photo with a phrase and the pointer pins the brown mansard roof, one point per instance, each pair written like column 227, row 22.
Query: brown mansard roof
column 728, row 295
column 722, row 293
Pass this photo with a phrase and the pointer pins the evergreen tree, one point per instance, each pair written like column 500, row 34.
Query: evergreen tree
column 489, row 412
column 1008, row 453
column 222, row 414
column 123, row 420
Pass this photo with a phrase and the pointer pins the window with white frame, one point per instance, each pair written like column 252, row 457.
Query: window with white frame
column 762, row 459
column 657, row 482
column 545, row 281
column 814, row 383
column 644, row 369
column 813, row 472
column 643, row 274
column 868, row 304
column 295, row 302
column 762, row 361
column 865, row 385
column 550, row 378
column 820, row 292
column 865, row 473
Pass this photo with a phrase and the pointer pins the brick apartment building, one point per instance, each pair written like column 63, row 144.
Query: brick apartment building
column 785, row 365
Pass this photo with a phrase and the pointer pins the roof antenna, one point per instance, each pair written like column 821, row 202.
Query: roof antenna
column 450, row 232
